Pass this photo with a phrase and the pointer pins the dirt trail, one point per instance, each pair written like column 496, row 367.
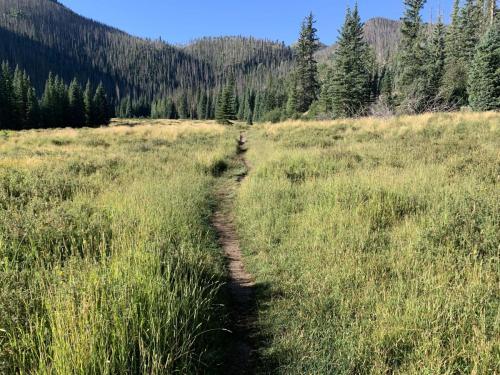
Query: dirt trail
column 241, row 356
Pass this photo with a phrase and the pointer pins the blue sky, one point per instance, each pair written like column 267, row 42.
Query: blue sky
column 179, row 21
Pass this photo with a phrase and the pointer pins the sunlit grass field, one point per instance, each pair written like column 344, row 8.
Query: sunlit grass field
column 375, row 244
column 108, row 263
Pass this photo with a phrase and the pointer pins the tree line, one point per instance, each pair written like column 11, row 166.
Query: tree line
column 432, row 67
column 61, row 105
column 436, row 68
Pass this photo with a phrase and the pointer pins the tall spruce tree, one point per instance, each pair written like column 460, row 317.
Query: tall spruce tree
column 437, row 58
column 484, row 76
column 48, row 103
column 463, row 36
column 226, row 111
column 3, row 100
column 183, row 106
column 351, row 75
column 453, row 88
column 20, row 84
column 32, row 110
column 308, row 86
column 88, row 100
column 412, row 79
column 76, row 104
column 101, row 107
column 202, row 106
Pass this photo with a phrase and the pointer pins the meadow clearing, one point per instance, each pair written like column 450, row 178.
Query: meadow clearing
column 108, row 263
column 374, row 244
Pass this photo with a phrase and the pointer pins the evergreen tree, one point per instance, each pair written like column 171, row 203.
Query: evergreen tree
column 202, row 106
column 307, row 70
column 20, row 85
column 101, row 107
column 437, row 61
column 326, row 95
column 225, row 111
column 3, row 99
column 463, row 37
column 292, row 103
column 183, row 106
column 32, row 110
column 412, row 78
column 48, row 104
column 484, row 77
column 6, row 98
column 76, row 104
column 242, row 107
column 351, row 78
column 250, row 107
column 386, row 88
column 453, row 89
column 61, row 103
column 90, row 112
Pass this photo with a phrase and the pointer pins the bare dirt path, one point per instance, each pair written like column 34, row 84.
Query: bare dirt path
column 241, row 356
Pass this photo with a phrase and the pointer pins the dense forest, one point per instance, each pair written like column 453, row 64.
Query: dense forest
column 380, row 68
column 60, row 105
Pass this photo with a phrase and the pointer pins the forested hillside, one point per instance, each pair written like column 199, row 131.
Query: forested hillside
column 43, row 36
column 382, row 34
column 379, row 67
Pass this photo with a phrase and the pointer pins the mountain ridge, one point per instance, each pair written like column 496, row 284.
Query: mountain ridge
column 45, row 35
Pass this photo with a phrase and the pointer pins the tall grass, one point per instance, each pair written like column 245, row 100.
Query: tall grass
column 108, row 263
column 376, row 244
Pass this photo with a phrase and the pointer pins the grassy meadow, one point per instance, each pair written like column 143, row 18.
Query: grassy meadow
column 375, row 244
column 108, row 263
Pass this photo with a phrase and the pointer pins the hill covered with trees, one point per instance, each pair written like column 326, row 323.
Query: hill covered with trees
column 378, row 67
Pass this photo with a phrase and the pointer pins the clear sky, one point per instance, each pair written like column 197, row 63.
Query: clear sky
column 180, row 21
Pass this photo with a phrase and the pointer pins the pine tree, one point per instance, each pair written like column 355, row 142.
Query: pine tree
column 484, row 77
column 76, row 104
column 101, row 106
column 3, row 100
column 453, row 89
column 463, row 36
column 250, row 107
column 61, row 102
column 6, row 98
column 351, row 77
column 307, row 70
column 412, row 79
column 292, row 103
column 48, row 104
column 20, row 86
column 225, row 110
column 32, row 110
column 386, row 88
column 90, row 112
column 202, row 106
column 437, row 61
column 183, row 106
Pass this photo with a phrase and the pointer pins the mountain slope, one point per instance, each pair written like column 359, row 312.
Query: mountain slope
column 382, row 34
column 43, row 36
column 71, row 45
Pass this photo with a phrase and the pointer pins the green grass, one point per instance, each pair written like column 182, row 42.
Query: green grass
column 375, row 244
column 108, row 264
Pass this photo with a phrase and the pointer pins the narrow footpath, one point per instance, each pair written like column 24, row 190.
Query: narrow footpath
column 241, row 356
